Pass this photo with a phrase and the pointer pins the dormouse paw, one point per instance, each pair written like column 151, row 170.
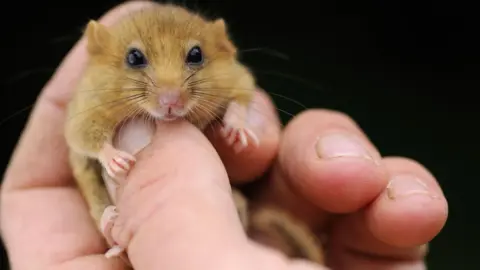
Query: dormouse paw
column 106, row 224
column 114, row 251
column 235, row 128
column 117, row 163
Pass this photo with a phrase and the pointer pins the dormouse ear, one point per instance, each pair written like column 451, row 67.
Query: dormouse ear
column 98, row 37
column 220, row 30
column 219, row 26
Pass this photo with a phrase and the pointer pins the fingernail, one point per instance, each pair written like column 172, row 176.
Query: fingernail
column 341, row 145
column 407, row 185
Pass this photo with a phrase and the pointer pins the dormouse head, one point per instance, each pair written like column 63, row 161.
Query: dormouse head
column 181, row 64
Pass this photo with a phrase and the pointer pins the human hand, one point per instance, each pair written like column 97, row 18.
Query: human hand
column 191, row 221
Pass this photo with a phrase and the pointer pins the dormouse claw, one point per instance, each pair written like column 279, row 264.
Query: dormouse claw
column 114, row 251
column 106, row 224
column 107, row 221
column 236, row 130
column 117, row 163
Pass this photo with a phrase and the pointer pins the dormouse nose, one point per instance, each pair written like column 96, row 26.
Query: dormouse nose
column 170, row 97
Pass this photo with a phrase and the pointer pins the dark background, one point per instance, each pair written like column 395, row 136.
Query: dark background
column 403, row 70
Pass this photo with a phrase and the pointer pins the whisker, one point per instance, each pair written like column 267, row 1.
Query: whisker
column 207, row 94
column 200, row 90
column 285, row 112
column 211, row 106
column 15, row 114
column 198, row 70
column 190, row 76
column 122, row 125
column 139, row 112
column 209, row 79
column 114, row 102
column 287, row 98
column 134, row 111
column 135, row 80
column 208, row 112
column 149, row 78
column 295, row 78
column 207, row 91
column 268, row 51
column 309, row 83
column 112, row 90
column 219, row 105
column 224, row 106
column 107, row 90
column 192, row 117
column 25, row 74
column 119, row 105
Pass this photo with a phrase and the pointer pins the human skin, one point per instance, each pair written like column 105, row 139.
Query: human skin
column 177, row 218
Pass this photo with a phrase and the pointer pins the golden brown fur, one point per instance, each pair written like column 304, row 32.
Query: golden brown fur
column 276, row 228
column 110, row 92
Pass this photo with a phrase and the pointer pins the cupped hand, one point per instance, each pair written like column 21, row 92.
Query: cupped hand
column 378, row 212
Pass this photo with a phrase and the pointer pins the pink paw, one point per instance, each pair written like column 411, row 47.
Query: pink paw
column 235, row 128
column 106, row 224
column 117, row 163
column 107, row 221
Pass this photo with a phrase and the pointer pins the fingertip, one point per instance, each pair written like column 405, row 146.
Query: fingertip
column 178, row 178
column 397, row 225
column 328, row 159
column 406, row 222
column 412, row 210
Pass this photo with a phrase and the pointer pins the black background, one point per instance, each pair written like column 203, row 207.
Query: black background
column 404, row 70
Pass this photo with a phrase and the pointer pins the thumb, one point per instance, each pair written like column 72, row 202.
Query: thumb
column 176, row 210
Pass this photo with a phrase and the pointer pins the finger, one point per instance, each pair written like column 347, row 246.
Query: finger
column 249, row 164
column 395, row 228
column 176, row 201
column 44, row 220
column 325, row 162
column 412, row 210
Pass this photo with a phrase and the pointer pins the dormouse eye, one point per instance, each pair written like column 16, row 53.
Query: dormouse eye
column 195, row 56
column 136, row 59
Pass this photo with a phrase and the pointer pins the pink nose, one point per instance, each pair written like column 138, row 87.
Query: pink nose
column 170, row 98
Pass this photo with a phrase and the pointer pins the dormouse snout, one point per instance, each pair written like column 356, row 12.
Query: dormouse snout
column 171, row 98
column 171, row 103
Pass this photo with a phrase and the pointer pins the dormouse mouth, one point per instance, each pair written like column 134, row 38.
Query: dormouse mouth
column 167, row 114
column 170, row 117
